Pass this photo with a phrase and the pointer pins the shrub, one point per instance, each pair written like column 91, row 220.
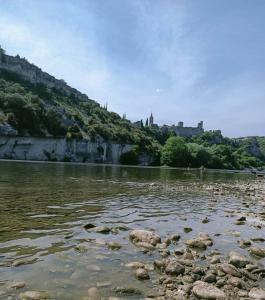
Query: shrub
column 175, row 152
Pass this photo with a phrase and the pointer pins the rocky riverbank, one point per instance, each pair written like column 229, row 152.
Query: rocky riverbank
column 179, row 266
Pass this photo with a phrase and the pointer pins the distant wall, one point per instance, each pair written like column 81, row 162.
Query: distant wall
column 60, row 149
column 188, row 131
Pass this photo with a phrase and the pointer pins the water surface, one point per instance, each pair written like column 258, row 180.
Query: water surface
column 43, row 208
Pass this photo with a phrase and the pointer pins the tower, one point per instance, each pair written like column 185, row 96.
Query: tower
column 2, row 52
column 151, row 120
column 200, row 125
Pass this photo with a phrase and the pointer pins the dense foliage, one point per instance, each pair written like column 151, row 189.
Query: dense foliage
column 211, row 150
column 39, row 111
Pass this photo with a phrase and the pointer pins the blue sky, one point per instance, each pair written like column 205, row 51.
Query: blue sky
column 187, row 60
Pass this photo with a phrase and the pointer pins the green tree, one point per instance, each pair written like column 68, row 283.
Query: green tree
column 199, row 155
column 175, row 152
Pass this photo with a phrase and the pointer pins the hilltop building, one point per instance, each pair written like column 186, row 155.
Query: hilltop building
column 180, row 129
column 183, row 131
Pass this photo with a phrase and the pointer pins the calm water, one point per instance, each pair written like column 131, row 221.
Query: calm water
column 43, row 208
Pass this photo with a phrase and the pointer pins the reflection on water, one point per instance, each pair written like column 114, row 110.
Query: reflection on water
column 43, row 208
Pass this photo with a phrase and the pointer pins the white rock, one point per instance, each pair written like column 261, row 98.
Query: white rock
column 207, row 291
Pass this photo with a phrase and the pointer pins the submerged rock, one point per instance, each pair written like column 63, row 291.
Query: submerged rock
column 187, row 229
column 89, row 226
column 93, row 293
column 127, row 291
column 196, row 243
column 101, row 229
column 33, row 295
column 114, row 246
column 135, row 265
column 244, row 243
column 22, row 261
column 205, row 220
column 18, row 285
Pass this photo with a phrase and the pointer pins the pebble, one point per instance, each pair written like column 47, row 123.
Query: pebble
column 18, row 285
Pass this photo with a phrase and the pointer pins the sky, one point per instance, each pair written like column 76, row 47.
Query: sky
column 182, row 60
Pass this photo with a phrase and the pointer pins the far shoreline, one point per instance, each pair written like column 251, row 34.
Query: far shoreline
column 249, row 172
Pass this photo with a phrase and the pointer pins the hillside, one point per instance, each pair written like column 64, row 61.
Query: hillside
column 34, row 103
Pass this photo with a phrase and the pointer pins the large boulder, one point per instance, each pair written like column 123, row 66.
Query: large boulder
column 203, row 290
column 238, row 260
column 144, row 236
column 257, row 294
column 174, row 268
column 231, row 270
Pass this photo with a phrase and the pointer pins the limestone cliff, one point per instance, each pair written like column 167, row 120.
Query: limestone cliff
column 60, row 149
column 35, row 75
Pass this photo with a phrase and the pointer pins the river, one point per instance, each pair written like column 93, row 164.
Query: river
column 45, row 206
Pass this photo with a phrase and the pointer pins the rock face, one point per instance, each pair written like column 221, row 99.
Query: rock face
column 144, row 236
column 204, row 290
column 60, row 149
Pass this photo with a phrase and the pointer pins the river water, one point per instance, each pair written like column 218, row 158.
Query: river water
column 44, row 207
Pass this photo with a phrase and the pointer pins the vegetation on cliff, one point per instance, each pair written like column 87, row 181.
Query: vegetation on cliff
column 36, row 110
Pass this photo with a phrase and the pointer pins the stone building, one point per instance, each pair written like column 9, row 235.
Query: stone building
column 181, row 130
